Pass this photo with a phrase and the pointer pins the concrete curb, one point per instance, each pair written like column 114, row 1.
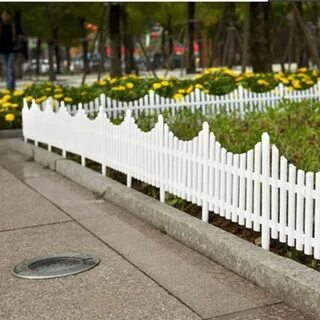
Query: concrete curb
column 10, row 133
column 297, row 285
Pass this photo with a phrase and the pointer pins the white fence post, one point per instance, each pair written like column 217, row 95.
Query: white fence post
column 205, row 171
column 265, row 232
column 316, row 252
column 161, row 155
column 127, row 132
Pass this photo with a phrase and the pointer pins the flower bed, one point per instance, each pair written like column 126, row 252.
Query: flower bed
column 213, row 81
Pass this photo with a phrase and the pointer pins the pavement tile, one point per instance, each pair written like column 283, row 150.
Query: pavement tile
column 5, row 175
column 10, row 156
column 27, row 169
column 61, row 191
column 22, row 207
column 205, row 286
column 278, row 311
column 114, row 290
column 91, row 209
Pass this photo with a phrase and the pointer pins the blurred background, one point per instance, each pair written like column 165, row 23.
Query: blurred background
column 163, row 38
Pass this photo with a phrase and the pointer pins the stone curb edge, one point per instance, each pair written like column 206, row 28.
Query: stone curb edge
column 296, row 284
column 10, row 133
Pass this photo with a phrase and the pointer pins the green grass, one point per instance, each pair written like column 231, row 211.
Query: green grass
column 293, row 127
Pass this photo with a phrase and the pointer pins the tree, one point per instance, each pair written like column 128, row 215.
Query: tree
column 114, row 31
column 191, row 66
column 259, row 37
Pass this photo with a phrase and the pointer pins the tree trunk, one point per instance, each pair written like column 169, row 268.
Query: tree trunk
column 191, row 66
column 245, row 38
column 307, row 37
column 170, row 40
column 38, row 56
column 57, row 51
column 84, row 43
column 68, row 58
column 101, row 41
column 200, row 43
column 52, row 76
column 128, row 44
column 114, row 27
column 259, row 37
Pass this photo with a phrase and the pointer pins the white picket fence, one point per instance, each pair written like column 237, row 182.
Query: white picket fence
column 240, row 100
column 256, row 189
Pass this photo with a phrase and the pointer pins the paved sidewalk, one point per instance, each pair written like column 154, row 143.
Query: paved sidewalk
column 143, row 273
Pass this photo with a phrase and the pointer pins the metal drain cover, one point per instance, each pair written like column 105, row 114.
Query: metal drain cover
column 54, row 266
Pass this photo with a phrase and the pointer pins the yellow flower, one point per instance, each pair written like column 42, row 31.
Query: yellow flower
column 113, row 80
column 18, row 93
column 199, row 86
column 248, row 74
column 309, row 82
column 164, row 83
column 190, row 89
column 41, row 99
column 156, row 86
column 206, row 91
column 182, row 91
column 284, row 80
column 58, row 89
column 296, row 84
column 48, row 89
column 29, row 98
column 229, row 72
column 14, row 105
column 83, row 93
column 68, row 99
column 102, row 83
column 6, row 97
column 129, row 85
column 304, row 69
column 198, row 76
column 263, row 82
column 5, row 91
column 9, row 117
column 178, row 96
column 6, row 105
column 58, row 96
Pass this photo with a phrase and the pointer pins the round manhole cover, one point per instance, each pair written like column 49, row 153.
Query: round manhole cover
column 53, row 267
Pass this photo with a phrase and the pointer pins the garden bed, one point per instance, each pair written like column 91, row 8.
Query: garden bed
column 217, row 81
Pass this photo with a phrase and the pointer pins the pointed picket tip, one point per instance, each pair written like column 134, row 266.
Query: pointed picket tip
column 265, row 137
column 128, row 113
column 25, row 104
column 205, row 126
column 33, row 104
column 160, row 119
column 101, row 110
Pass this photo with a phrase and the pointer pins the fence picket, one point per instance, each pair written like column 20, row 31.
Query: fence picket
column 317, row 218
column 274, row 192
column 291, row 205
column 283, row 199
column 308, row 226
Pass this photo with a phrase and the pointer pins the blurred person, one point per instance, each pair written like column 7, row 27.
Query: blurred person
column 8, row 36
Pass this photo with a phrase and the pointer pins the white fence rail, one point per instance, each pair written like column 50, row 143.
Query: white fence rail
column 240, row 100
column 256, row 189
